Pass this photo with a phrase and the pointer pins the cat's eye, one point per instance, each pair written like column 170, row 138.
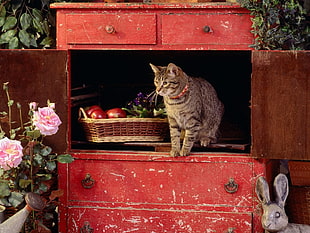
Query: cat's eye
column 165, row 83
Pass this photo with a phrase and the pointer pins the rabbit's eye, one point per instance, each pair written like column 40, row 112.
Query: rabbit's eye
column 277, row 214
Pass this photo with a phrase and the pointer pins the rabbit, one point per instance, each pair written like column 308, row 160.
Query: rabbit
column 274, row 218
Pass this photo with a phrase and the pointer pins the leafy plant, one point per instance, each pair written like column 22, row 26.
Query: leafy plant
column 144, row 106
column 278, row 24
column 25, row 24
column 27, row 165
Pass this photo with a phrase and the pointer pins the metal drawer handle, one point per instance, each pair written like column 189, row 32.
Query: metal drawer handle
column 231, row 186
column 86, row 228
column 110, row 29
column 88, row 182
column 207, row 29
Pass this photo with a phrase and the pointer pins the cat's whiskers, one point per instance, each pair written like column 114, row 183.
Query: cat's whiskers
column 153, row 95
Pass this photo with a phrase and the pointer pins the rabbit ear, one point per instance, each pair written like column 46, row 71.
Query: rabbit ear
column 262, row 190
column 281, row 189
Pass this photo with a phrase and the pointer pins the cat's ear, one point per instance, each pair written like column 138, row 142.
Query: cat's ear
column 154, row 68
column 172, row 69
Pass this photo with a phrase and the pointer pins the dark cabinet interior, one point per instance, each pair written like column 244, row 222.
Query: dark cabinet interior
column 118, row 76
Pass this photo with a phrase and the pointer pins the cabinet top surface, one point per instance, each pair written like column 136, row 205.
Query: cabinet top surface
column 97, row 5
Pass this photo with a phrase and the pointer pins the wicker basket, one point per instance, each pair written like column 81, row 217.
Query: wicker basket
column 123, row 129
column 298, row 205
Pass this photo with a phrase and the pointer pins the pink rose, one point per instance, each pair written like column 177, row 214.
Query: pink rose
column 11, row 153
column 46, row 120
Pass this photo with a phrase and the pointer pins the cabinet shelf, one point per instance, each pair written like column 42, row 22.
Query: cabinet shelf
column 162, row 146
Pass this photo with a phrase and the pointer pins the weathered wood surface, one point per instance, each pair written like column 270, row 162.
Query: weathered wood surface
column 280, row 104
column 136, row 26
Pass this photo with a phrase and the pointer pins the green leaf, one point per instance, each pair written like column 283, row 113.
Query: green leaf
column 34, row 134
column 33, row 41
column 46, row 27
column 42, row 188
column 45, row 176
column 2, row 21
column 16, row 199
column 16, row 5
column 38, row 159
column 47, row 41
column 37, row 25
column 5, row 202
column 65, row 158
column 2, row 134
column 37, row 14
column 7, row 36
column 2, row 11
column 4, row 190
column 24, row 183
column 10, row 23
column 24, row 38
column 46, row 150
column 51, row 165
column 14, row 43
column 25, row 21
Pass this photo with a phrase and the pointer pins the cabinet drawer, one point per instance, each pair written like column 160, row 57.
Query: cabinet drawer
column 128, row 220
column 165, row 184
column 111, row 28
column 206, row 29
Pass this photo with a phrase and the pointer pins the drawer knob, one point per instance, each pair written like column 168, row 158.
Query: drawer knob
column 207, row 29
column 231, row 186
column 86, row 228
column 88, row 182
column 110, row 29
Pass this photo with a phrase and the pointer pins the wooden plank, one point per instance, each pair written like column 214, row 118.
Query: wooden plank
column 300, row 173
column 280, row 105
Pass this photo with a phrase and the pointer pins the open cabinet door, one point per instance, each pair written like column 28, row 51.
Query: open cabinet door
column 36, row 76
column 281, row 104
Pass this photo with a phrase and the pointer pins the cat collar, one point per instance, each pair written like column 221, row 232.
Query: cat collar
column 181, row 94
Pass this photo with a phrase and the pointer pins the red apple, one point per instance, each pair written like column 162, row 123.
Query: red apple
column 116, row 113
column 96, row 112
column 90, row 109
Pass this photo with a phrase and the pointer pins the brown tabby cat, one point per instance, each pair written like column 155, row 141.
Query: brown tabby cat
column 192, row 105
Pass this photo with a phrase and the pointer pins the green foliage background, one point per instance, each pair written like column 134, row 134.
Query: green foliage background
column 26, row 24
column 279, row 24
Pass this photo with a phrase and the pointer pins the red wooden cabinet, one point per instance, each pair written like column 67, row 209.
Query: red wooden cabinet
column 160, row 27
column 152, row 192
column 124, row 190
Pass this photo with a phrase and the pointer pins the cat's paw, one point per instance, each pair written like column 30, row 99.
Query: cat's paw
column 184, row 152
column 174, row 153
column 205, row 142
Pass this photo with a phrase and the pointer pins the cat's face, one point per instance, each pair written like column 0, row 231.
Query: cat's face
column 167, row 80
